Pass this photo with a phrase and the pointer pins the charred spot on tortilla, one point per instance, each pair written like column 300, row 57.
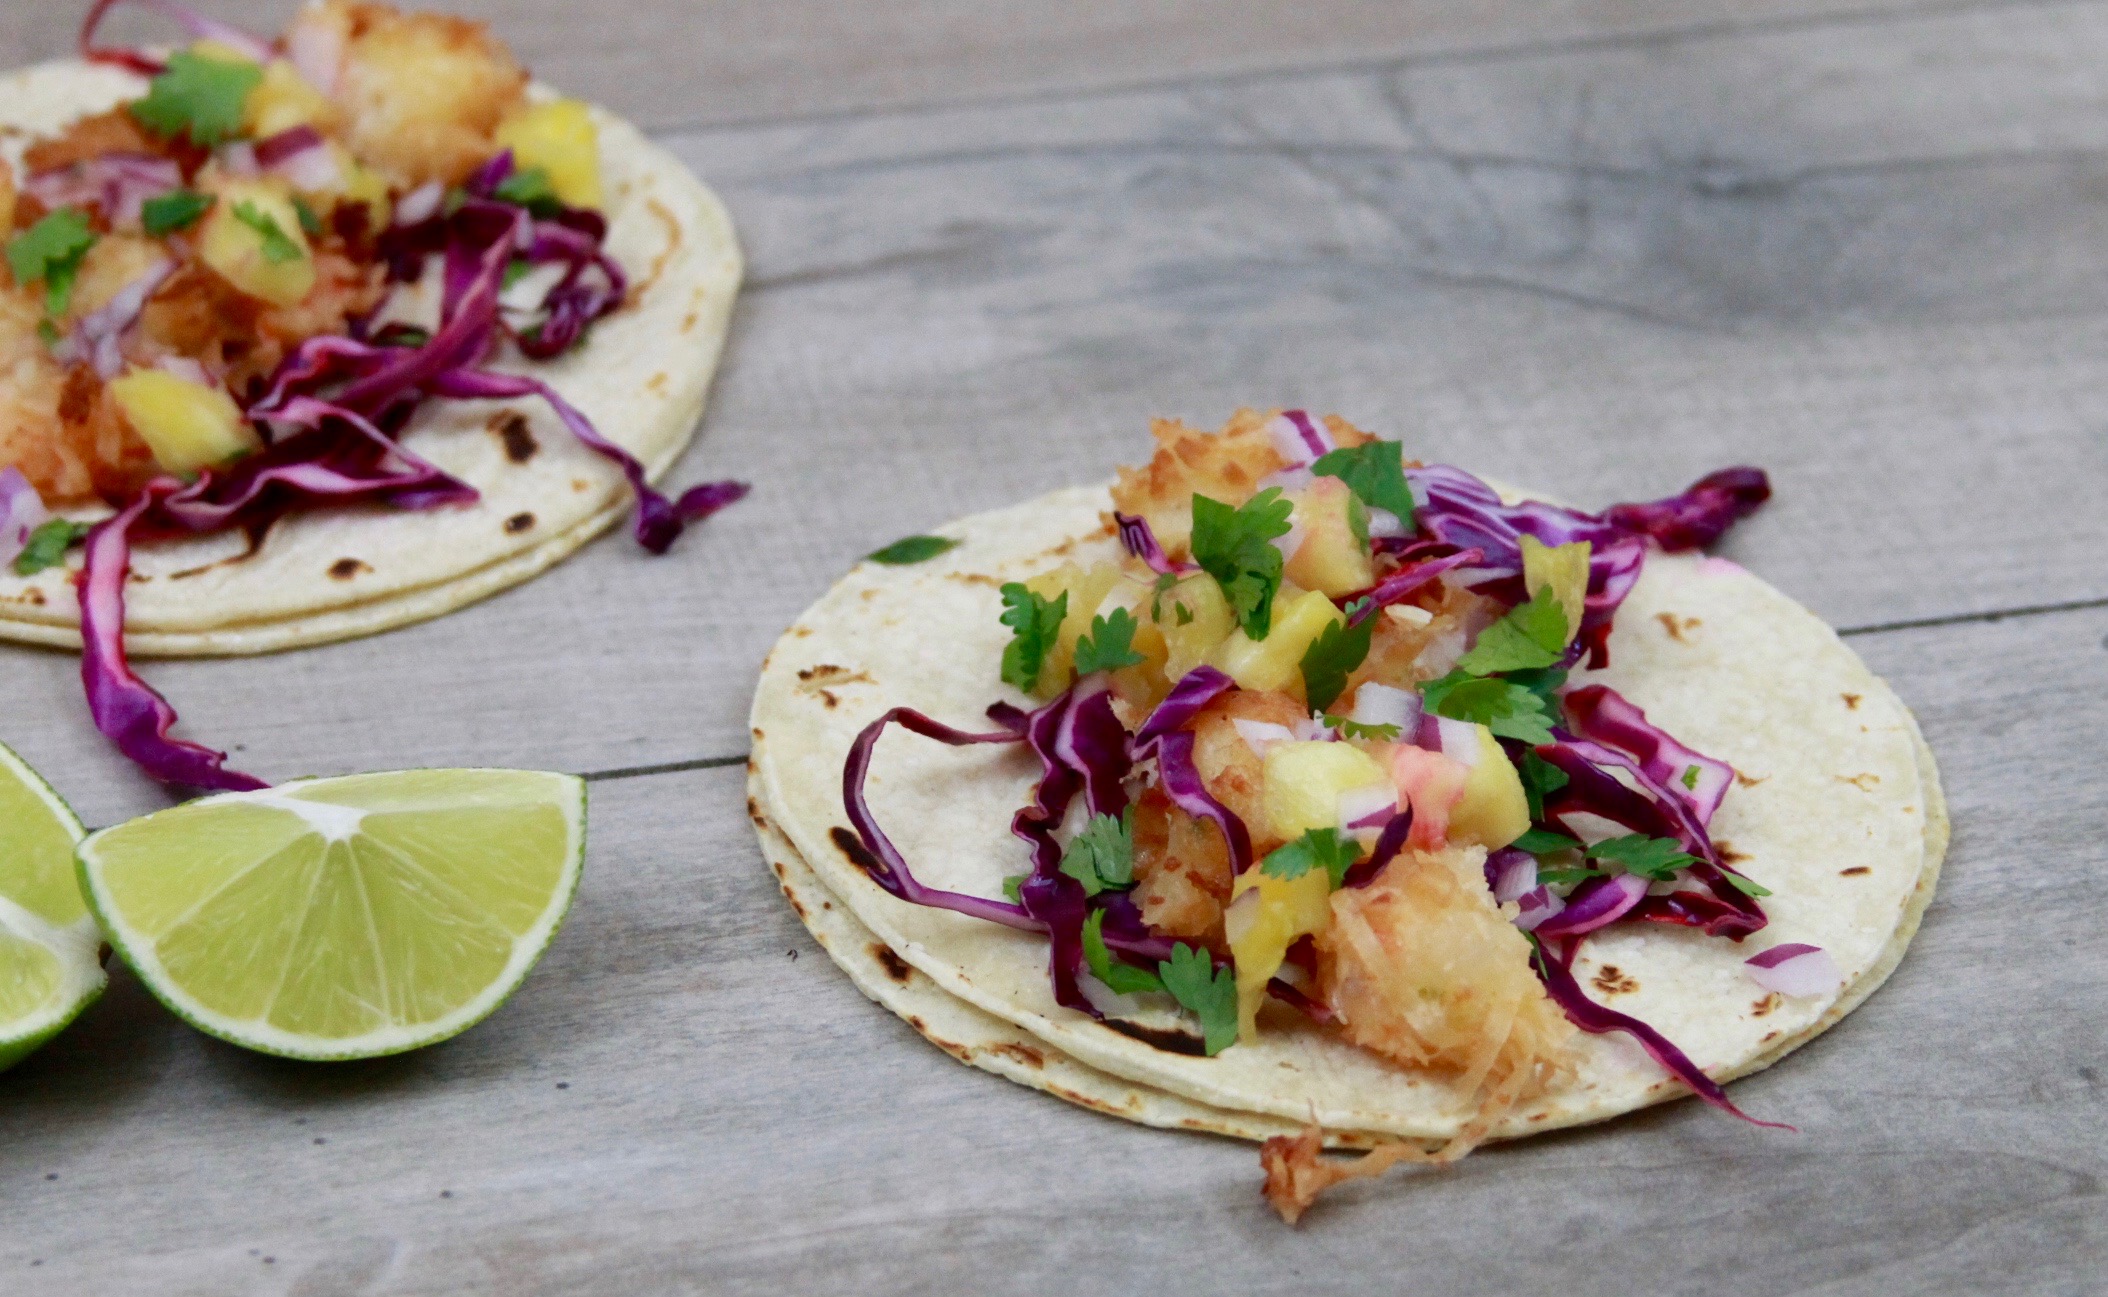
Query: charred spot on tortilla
column 1765, row 1005
column 1851, row 701
column 656, row 384
column 1728, row 854
column 1864, row 781
column 518, row 439
column 1749, row 781
column 1025, row 1054
column 519, row 522
column 1855, row 871
column 896, row 968
column 1610, row 981
column 1168, row 1040
column 853, row 847
column 344, row 569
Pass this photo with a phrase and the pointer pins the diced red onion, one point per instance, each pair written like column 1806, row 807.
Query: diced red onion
column 1460, row 741
column 1380, row 704
column 22, row 511
column 420, row 204
column 239, row 158
column 316, row 51
column 1596, row 903
column 1367, row 808
column 1590, row 828
column 1388, row 844
column 97, row 338
column 199, row 25
column 1383, row 524
column 185, row 368
column 116, row 184
column 1260, row 736
column 303, row 157
column 1795, row 968
column 1512, row 874
column 1535, row 906
column 1299, row 438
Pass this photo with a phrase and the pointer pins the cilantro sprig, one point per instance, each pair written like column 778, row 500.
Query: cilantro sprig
column 48, row 545
column 1375, row 472
column 1206, row 992
column 278, row 246
column 175, row 210
column 1516, row 707
column 913, row 549
column 1122, row 978
column 1234, row 546
column 1655, row 858
column 1102, row 855
column 1333, row 656
column 198, row 96
column 1543, row 842
column 51, row 251
column 530, row 189
column 1540, row 779
column 1316, row 849
column 1109, row 644
column 1348, row 728
column 1034, row 621
column 1531, row 637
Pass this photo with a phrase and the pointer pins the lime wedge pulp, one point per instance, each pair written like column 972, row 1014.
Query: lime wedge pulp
column 48, row 942
column 347, row 917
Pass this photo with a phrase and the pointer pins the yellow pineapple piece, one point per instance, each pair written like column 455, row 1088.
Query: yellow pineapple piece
column 1303, row 783
column 189, row 426
column 1194, row 618
column 1334, row 555
column 1565, row 569
column 1276, row 662
column 252, row 237
column 1265, row 917
column 1492, row 811
column 559, row 138
column 283, row 100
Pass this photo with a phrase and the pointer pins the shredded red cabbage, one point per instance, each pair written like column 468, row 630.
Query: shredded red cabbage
column 1182, row 783
column 200, row 26
column 1140, row 540
column 1596, row 903
column 1193, row 692
column 1701, row 514
column 1407, row 579
column 1554, row 960
column 1600, row 714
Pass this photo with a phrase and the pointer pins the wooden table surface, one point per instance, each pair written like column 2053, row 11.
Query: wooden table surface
column 1598, row 247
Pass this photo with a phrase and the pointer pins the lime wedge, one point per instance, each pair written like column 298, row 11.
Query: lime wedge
column 343, row 918
column 48, row 943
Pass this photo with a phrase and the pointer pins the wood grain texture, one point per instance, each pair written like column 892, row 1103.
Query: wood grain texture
column 674, row 1103
column 1869, row 258
column 667, row 63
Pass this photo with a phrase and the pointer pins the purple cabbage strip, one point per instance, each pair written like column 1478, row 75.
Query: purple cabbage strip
column 1092, row 741
column 1600, row 714
column 198, row 25
column 1596, row 903
column 1700, row 514
column 1182, row 783
column 660, row 520
column 1141, row 541
column 1556, row 969
column 887, row 867
column 118, row 184
column 1193, row 692
column 1405, row 580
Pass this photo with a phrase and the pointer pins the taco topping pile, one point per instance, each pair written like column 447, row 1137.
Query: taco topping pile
column 1310, row 748
column 210, row 313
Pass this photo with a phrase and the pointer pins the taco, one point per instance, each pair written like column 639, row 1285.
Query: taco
column 1296, row 791
column 318, row 336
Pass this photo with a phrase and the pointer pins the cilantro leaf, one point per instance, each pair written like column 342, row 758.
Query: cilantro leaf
column 1331, row 657
column 1541, row 842
column 1013, row 887
column 310, row 224
column 48, row 545
column 1233, row 546
column 197, row 96
column 530, row 189
column 278, row 246
column 1561, row 877
column 1656, row 858
column 1102, row 856
column 912, row 549
column 51, row 250
column 1210, row 995
column 175, row 210
column 1121, row 978
column 1033, row 623
column 1317, row 848
column 1510, row 710
column 1530, row 637
column 1375, row 472
column 1540, row 779
column 1690, row 777
column 1353, row 729
column 1746, row 886
column 1109, row 645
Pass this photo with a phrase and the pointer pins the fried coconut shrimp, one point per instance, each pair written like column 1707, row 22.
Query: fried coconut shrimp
column 1423, row 968
column 1226, row 466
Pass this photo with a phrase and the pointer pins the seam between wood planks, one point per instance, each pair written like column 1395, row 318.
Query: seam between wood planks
column 1876, row 628
column 1393, row 62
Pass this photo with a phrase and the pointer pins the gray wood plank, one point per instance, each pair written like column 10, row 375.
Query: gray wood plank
column 1867, row 258
column 687, row 1097
column 667, row 63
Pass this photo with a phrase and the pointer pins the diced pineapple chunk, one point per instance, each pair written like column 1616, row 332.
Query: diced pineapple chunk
column 1276, row 662
column 187, row 425
column 1565, row 569
column 238, row 241
column 1144, row 684
column 361, row 184
column 1265, row 917
column 1086, row 589
column 1492, row 811
column 1334, row 555
column 283, row 100
column 559, row 137
column 1194, row 617
column 1303, row 783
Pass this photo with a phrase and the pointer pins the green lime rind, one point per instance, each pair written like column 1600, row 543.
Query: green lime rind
column 564, row 794
column 47, row 936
